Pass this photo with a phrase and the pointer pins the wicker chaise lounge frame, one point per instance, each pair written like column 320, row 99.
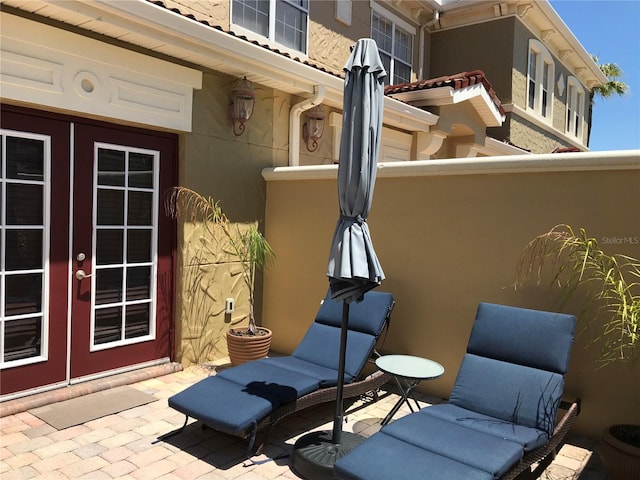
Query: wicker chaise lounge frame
column 369, row 384
column 546, row 453
column 505, row 417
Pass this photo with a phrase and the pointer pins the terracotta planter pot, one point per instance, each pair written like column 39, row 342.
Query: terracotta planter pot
column 621, row 460
column 243, row 348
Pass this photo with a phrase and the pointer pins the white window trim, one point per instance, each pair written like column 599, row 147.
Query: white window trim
column 573, row 84
column 399, row 23
column 543, row 57
column 44, row 335
column 154, row 250
column 379, row 9
column 270, row 40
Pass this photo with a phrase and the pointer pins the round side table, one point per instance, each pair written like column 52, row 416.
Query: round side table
column 408, row 371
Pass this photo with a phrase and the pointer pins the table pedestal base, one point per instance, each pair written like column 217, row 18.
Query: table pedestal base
column 315, row 454
column 405, row 394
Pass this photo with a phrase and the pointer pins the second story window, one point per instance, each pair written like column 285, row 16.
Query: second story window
column 395, row 45
column 575, row 107
column 281, row 21
column 540, row 79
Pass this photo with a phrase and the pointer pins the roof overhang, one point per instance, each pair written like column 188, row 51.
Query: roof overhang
column 169, row 34
column 476, row 95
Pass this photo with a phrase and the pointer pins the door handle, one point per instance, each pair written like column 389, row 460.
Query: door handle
column 81, row 274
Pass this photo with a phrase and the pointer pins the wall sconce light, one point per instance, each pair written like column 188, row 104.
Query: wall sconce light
column 313, row 127
column 243, row 97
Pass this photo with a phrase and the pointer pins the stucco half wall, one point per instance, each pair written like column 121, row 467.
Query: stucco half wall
column 449, row 234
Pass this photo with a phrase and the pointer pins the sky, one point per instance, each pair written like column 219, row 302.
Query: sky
column 610, row 29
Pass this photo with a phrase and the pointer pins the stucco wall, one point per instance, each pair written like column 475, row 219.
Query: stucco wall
column 485, row 46
column 537, row 140
column 519, row 82
column 216, row 12
column 216, row 163
column 500, row 48
column 328, row 36
column 530, row 136
column 448, row 241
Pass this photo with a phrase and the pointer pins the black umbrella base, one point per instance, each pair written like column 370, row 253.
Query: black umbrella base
column 315, row 454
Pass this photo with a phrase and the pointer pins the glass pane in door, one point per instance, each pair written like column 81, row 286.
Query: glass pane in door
column 23, row 243
column 125, row 232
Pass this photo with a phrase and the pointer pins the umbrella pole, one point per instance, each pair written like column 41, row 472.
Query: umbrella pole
column 338, row 417
column 315, row 453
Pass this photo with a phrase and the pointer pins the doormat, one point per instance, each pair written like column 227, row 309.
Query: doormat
column 79, row 410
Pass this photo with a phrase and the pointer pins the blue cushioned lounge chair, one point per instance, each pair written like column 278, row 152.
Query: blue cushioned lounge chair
column 501, row 416
column 243, row 399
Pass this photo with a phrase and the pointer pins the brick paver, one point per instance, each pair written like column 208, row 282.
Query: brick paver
column 126, row 446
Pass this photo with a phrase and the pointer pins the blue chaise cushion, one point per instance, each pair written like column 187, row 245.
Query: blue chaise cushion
column 529, row 438
column 503, row 405
column 384, row 457
column 513, row 393
column 224, row 405
column 514, row 366
column 366, row 317
column 236, row 399
column 522, row 336
column 326, row 377
column 474, row 448
column 321, row 344
column 262, row 375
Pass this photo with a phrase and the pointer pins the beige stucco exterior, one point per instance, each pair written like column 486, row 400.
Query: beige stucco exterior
column 327, row 37
column 218, row 164
column 447, row 239
column 500, row 49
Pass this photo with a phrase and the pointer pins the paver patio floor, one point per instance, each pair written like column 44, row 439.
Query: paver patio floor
column 126, row 445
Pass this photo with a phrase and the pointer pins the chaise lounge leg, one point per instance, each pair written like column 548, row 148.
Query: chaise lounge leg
column 162, row 438
column 539, row 469
column 265, row 437
column 260, row 449
column 252, row 440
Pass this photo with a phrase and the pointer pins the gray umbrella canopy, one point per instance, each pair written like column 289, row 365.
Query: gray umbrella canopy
column 354, row 268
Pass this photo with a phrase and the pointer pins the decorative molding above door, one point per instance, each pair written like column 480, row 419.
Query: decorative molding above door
column 60, row 69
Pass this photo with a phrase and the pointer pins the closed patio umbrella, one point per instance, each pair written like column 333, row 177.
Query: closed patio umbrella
column 353, row 267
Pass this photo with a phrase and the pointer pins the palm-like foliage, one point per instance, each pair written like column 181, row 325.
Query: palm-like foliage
column 614, row 86
column 611, row 283
column 247, row 244
column 254, row 253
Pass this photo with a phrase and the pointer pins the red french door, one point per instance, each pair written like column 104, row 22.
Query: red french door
column 121, row 253
column 34, row 193
column 87, row 259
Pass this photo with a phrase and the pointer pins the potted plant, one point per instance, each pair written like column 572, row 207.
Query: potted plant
column 244, row 242
column 254, row 252
column 611, row 283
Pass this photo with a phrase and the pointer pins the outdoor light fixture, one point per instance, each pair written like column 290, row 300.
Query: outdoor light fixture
column 313, row 127
column 243, row 97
